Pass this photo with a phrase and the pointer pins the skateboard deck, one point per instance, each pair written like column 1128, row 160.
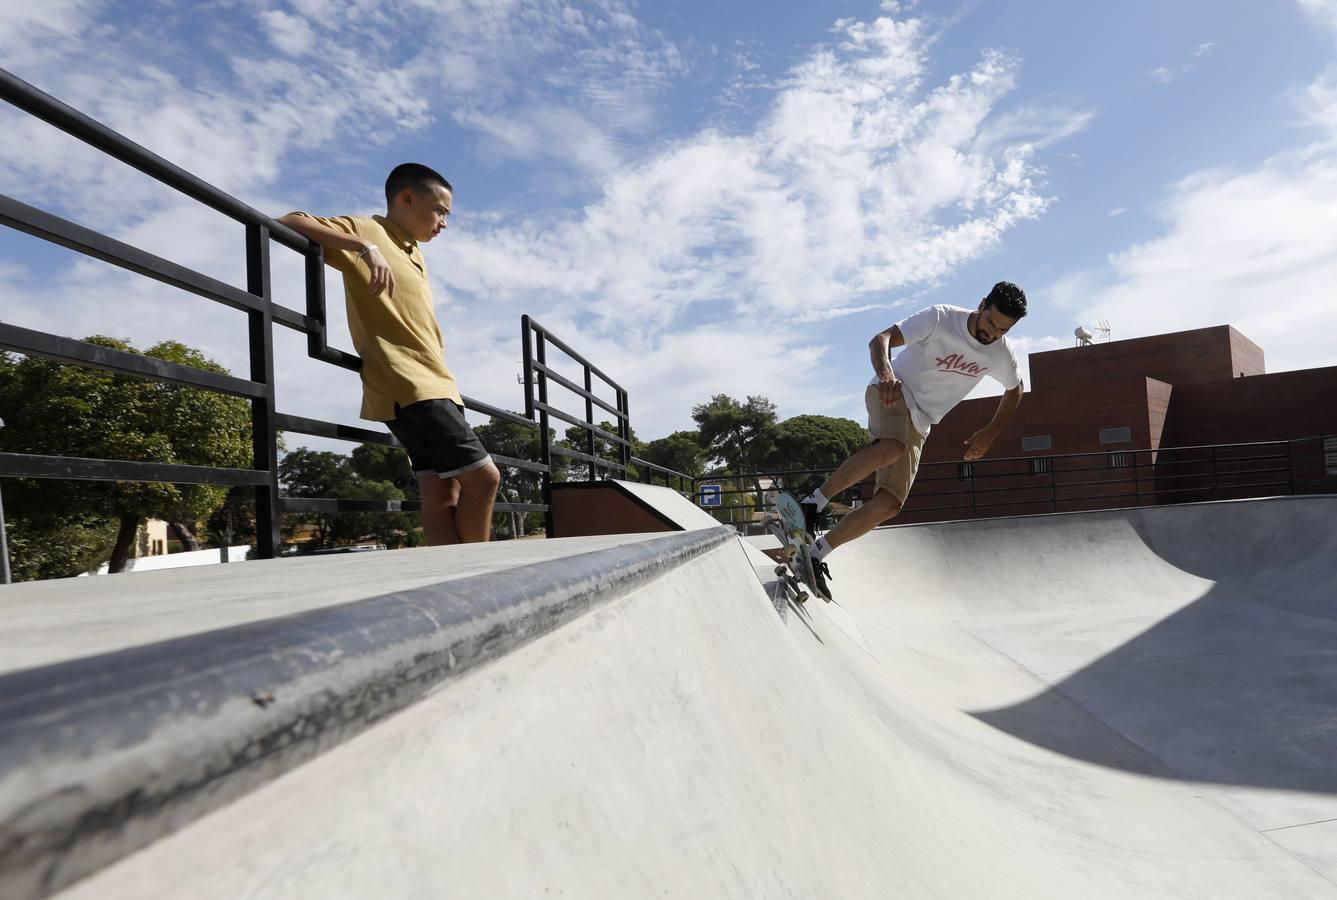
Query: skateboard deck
column 790, row 530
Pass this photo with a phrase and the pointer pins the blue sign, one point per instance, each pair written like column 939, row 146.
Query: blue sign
column 710, row 495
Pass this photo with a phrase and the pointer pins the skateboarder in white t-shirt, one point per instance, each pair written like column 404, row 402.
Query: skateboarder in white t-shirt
column 947, row 351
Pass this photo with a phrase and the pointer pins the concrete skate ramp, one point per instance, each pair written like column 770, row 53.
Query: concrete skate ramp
column 1113, row 704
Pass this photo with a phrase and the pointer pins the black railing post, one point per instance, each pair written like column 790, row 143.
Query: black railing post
column 314, row 262
column 624, row 427
column 1137, row 484
column 589, row 417
column 545, row 447
column 5, row 577
column 1212, row 487
column 1290, row 466
column 526, row 348
column 1053, row 491
column 264, row 434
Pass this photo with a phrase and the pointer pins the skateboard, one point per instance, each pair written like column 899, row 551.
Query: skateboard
column 797, row 566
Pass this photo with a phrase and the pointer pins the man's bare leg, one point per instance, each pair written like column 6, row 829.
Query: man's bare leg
column 440, row 497
column 478, row 492
column 859, row 522
column 877, row 455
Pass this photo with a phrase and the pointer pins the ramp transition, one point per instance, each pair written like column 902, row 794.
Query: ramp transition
column 1111, row 704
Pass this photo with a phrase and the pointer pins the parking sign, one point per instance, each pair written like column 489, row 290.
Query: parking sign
column 709, row 495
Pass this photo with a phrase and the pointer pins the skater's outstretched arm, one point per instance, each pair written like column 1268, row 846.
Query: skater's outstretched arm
column 979, row 443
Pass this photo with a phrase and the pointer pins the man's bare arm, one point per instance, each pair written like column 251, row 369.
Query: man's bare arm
column 879, row 351
column 979, row 443
column 334, row 240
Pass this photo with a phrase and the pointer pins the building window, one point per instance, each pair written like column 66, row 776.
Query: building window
column 1039, row 442
column 1042, row 465
column 1330, row 455
column 965, row 471
column 1121, row 460
column 1116, row 435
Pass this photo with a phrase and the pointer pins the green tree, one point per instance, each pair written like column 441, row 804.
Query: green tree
column 320, row 473
column 680, row 451
column 201, row 425
column 65, row 410
column 741, row 435
column 577, row 439
column 378, row 462
column 815, row 442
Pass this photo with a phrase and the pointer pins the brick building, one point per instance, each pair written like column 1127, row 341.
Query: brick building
column 1169, row 418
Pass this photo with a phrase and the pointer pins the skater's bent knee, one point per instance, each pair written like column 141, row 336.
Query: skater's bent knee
column 887, row 503
column 888, row 450
column 484, row 478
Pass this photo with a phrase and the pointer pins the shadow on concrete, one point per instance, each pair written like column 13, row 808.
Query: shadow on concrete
column 1237, row 687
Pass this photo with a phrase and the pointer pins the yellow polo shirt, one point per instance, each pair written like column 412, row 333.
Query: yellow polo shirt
column 397, row 337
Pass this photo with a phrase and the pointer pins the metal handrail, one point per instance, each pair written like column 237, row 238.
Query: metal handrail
column 255, row 300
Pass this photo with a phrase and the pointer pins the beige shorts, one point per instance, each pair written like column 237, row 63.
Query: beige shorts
column 893, row 423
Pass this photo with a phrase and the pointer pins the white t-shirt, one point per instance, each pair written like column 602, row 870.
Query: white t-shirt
column 942, row 362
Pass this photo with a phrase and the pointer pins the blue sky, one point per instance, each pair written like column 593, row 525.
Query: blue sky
column 703, row 197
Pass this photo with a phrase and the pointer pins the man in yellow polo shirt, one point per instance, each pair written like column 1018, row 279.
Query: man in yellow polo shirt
column 405, row 381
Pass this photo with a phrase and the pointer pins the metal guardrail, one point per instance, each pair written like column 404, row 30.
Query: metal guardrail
column 1083, row 481
column 1107, row 479
column 263, row 313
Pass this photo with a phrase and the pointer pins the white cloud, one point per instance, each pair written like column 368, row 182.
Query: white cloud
column 1322, row 11
column 1251, row 249
column 859, row 183
column 291, row 34
column 30, row 31
column 1118, row 211
column 1170, row 73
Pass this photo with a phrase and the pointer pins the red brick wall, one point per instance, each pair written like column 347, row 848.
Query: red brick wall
column 1262, row 408
column 1184, row 357
column 1072, row 416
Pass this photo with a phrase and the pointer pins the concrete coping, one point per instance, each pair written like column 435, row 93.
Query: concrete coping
column 102, row 755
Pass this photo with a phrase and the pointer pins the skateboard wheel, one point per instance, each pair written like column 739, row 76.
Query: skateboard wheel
column 780, row 570
column 802, row 597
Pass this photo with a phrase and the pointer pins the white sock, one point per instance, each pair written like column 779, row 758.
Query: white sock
column 819, row 548
column 816, row 497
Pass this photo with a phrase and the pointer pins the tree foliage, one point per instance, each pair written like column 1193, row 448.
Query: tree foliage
column 741, row 435
column 815, row 442
column 65, row 410
column 319, row 473
column 680, row 451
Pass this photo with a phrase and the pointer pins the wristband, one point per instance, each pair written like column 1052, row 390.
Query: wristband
column 365, row 250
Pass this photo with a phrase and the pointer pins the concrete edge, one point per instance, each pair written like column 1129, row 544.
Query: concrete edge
column 103, row 755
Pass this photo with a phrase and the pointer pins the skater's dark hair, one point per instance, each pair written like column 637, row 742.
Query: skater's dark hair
column 1008, row 299
column 414, row 176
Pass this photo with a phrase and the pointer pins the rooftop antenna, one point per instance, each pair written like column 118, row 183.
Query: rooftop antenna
column 1104, row 328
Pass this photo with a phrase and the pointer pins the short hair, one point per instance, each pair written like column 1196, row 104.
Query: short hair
column 1008, row 299
column 414, row 176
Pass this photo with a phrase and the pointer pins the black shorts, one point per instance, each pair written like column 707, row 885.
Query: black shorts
column 438, row 439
